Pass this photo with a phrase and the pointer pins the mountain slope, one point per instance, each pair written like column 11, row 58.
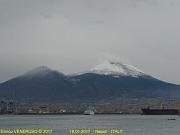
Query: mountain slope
column 39, row 84
column 107, row 81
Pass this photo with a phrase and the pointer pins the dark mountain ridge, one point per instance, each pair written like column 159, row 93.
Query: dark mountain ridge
column 45, row 85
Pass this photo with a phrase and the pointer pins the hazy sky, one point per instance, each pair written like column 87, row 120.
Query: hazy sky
column 75, row 35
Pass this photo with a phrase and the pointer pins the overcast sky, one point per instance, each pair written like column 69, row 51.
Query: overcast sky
column 74, row 35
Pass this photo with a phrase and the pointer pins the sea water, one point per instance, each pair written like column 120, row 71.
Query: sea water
column 65, row 124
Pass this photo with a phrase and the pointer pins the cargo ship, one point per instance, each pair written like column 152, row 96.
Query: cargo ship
column 161, row 111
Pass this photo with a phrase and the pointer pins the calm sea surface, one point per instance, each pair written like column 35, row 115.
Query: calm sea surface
column 61, row 124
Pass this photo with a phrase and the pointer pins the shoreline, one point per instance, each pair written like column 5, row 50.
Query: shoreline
column 70, row 114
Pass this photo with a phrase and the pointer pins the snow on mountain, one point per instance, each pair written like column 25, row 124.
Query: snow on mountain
column 39, row 71
column 116, row 68
column 106, row 68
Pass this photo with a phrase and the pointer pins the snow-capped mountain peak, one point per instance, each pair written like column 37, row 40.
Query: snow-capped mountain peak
column 39, row 71
column 116, row 68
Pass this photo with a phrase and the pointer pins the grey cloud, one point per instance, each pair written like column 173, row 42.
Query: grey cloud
column 71, row 35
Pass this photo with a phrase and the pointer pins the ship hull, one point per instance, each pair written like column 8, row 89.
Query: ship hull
column 147, row 111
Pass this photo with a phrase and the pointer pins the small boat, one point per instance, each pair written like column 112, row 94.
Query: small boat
column 88, row 112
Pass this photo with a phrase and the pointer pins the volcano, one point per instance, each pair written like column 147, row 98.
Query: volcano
column 106, row 81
